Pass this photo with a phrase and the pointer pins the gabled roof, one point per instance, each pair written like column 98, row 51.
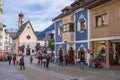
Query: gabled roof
column 22, row 28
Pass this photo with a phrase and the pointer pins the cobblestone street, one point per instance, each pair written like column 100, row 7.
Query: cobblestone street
column 54, row 72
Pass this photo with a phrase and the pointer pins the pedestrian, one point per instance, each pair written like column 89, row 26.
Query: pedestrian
column 82, row 61
column 61, row 61
column 66, row 59
column 9, row 57
column 90, row 59
column 31, row 59
column 14, row 59
column 48, row 61
column 22, row 63
column 40, row 59
column 44, row 60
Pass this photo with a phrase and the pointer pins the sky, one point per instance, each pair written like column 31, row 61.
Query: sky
column 39, row 12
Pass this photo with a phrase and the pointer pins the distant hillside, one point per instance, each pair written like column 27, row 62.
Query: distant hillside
column 41, row 34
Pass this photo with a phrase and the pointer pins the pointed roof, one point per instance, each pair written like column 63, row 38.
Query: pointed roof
column 21, row 15
column 22, row 28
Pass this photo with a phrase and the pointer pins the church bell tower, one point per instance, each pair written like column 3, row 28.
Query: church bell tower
column 21, row 21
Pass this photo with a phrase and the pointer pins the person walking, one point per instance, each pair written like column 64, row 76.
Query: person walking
column 82, row 61
column 14, row 59
column 22, row 63
column 89, row 59
column 44, row 60
column 9, row 59
column 38, row 59
column 48, row 61
column 61, row 61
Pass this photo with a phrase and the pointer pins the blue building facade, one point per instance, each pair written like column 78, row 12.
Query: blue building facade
column 74, row 22
column 58, row 39
column 81, row 21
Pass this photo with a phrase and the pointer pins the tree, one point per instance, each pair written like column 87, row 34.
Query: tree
column 51, row 44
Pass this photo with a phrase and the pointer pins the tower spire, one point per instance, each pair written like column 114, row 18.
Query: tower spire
column 21, row 21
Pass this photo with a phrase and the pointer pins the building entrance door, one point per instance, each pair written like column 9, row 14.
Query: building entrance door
column 28, row 50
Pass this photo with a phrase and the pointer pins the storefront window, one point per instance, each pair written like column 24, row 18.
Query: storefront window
column 99, row 50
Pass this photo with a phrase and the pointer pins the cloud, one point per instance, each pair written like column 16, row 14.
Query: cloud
column 39, row 12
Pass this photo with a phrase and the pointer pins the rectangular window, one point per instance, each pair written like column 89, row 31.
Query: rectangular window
column 101, row 20
column 68, row 27
column 71, row 27
column 83, row 25
column 60, row 30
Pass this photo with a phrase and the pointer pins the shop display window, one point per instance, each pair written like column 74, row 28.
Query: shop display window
column 99, row 50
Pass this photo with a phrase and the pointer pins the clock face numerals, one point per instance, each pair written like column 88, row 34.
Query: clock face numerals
column 28, row 37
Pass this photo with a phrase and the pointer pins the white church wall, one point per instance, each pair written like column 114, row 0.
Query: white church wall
column 25, row 41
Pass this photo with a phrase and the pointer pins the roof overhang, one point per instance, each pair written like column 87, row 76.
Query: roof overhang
column 95, row 3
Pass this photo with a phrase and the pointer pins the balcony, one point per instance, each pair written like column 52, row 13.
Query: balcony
column 68, row 32
column 69, row 37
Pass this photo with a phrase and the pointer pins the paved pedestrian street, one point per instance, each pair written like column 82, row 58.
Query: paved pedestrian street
column 54, row 72
column 10, row 73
